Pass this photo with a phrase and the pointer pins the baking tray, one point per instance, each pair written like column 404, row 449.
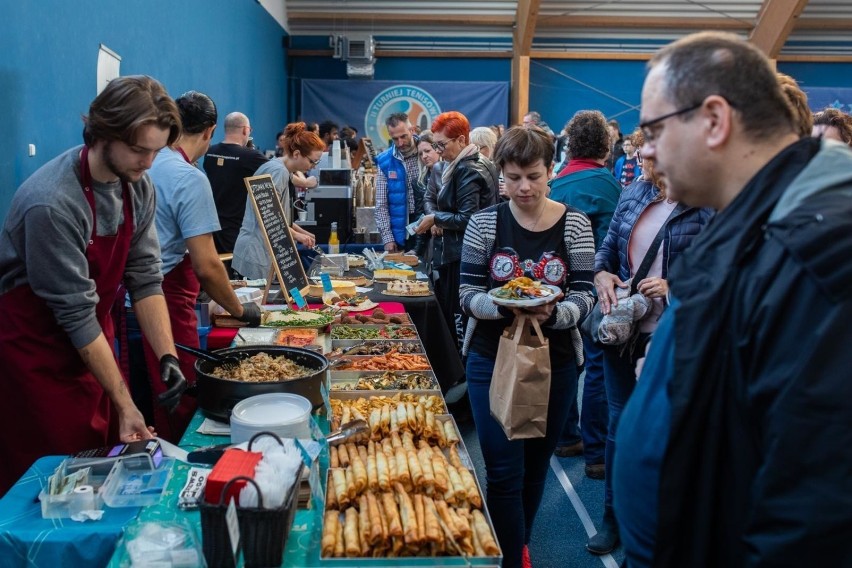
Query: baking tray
column 372, row 326
column 336, row 343
column 351, row 377
column 357, row 358
column 485, row 561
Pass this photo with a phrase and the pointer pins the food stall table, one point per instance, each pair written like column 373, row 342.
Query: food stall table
column 28, row 540
column 299, row 550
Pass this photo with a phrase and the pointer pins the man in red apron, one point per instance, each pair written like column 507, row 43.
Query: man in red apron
column 186, row 220
column 77, row 228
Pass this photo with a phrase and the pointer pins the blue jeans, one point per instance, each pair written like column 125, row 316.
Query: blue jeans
column 593, row 421
column 620, row 380
column 515, row 471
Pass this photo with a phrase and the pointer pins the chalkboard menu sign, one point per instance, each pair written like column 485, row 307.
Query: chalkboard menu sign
column 286, row 263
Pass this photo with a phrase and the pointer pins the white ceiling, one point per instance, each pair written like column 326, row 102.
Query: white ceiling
column 602, row 25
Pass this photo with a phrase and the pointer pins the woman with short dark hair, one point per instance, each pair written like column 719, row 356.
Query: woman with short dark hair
column 534, row 236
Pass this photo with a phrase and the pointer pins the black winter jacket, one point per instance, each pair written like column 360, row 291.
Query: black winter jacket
column 473, row 186
column 612, row 255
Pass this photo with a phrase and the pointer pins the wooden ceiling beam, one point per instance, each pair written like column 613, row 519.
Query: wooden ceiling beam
column 304, row 18
column 643, row 22
column 838, row 24
column 775, row 21
column 526, row 18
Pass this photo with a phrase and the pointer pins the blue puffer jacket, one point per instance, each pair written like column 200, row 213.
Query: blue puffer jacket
column 391, row 164
column 612, row 254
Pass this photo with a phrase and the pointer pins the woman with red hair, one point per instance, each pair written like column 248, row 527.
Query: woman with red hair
column 468, row 184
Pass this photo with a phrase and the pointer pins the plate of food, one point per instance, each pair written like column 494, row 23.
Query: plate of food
column 523, row 292
column 356, row 303
column 297, row 318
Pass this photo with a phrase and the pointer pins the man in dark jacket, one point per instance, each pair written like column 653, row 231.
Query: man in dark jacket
column 734, row 448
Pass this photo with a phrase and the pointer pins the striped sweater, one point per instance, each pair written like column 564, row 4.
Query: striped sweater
column 477, row 250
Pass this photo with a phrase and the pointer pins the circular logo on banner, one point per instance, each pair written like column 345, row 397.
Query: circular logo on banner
column 420, row 106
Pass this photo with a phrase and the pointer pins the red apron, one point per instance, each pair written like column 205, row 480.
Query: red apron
column 51, row 403
column 181, row 288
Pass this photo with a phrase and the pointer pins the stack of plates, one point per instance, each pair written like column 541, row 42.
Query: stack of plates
column 285, row 414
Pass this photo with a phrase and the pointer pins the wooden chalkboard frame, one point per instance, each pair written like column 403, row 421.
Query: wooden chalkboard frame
column 267, row 207
column 365, row 150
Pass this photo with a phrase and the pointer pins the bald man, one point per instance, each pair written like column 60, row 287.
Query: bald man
column 226, row 164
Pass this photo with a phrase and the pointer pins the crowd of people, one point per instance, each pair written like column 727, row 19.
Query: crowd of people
column 714, row 242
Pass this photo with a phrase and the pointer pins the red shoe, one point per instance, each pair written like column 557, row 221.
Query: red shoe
column 525, row 557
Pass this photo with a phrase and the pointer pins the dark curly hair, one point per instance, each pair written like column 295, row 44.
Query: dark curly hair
column 588, row 137
column 839, row 120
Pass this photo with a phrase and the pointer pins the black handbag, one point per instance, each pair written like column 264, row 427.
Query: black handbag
column 592, row 322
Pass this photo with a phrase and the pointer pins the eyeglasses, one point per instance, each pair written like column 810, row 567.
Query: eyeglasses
column 249, row 127
column 314, row 162
column 651, row 134
column 440, row 146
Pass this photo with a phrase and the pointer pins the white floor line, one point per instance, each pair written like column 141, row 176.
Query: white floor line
column 607, row 559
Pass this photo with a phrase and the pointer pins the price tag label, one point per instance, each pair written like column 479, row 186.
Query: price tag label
column 233, row 528
column 298, row 298
column 326, row 283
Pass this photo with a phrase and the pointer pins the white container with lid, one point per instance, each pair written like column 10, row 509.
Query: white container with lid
column 285, row 414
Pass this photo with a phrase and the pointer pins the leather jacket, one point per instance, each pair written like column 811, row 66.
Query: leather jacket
column 473, row 186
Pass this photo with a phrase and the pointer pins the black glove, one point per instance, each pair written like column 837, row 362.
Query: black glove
column 251, row 314
column 172, row 376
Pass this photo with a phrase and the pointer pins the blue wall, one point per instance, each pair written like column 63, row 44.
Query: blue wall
column 230, row 49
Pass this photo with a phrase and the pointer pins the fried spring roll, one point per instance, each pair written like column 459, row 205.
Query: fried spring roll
column 339, row 550
column 383, row 478
column 372, row 472
column 338, row 477
column 375, row 423
column 330, row 495
column 459, row 492
column 424, row 456
column 391, row 514
column 478, row 550
column 446, row 515
column 408, row 441
column 414, row 469
column 407, row 514
column 359, row 470
column 362, row 453
column 394, row 420
column 350, row 485
column 420, row 418
column 420, row 512
column 331, row 520
column 343, row 455
column 403, row 475
column 450, row 431
column 396, row 441
column 462, row 522
column 433, row 527
column 333, row 458
column 469, row 483
column 351, row 533
column 346, row 417
column 386, row 420
column 440, row 434
column 375, row 530
column 455, row 459
column 364, row 525
column 442, row 478
column 483, row 533
column 429, row 430
column 402, row 415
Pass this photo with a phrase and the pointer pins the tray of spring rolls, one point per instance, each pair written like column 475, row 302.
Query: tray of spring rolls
column 406, row 489
column 391, row 361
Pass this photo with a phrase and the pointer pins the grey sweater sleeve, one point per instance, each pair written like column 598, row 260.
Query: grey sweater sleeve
column 142, row 274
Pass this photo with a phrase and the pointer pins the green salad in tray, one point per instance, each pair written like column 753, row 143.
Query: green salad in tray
column 297, row 318
column 522, row 288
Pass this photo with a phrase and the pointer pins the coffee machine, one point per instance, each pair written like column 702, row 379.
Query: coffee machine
column 331, row 201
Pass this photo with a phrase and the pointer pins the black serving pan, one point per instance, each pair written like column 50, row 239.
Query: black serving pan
column 217, row 397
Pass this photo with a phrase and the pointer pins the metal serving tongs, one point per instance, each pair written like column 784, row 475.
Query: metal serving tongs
column 210, row 355
column 349, row 432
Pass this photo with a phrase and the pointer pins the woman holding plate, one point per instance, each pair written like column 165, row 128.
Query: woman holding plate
column 529, row 235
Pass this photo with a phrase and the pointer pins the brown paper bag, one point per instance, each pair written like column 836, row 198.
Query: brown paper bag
column 520, row 385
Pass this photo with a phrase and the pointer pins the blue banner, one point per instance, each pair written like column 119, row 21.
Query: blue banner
column 820, row 98
column 367, row 104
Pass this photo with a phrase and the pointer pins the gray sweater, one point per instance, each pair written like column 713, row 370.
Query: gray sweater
column 47, row 230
